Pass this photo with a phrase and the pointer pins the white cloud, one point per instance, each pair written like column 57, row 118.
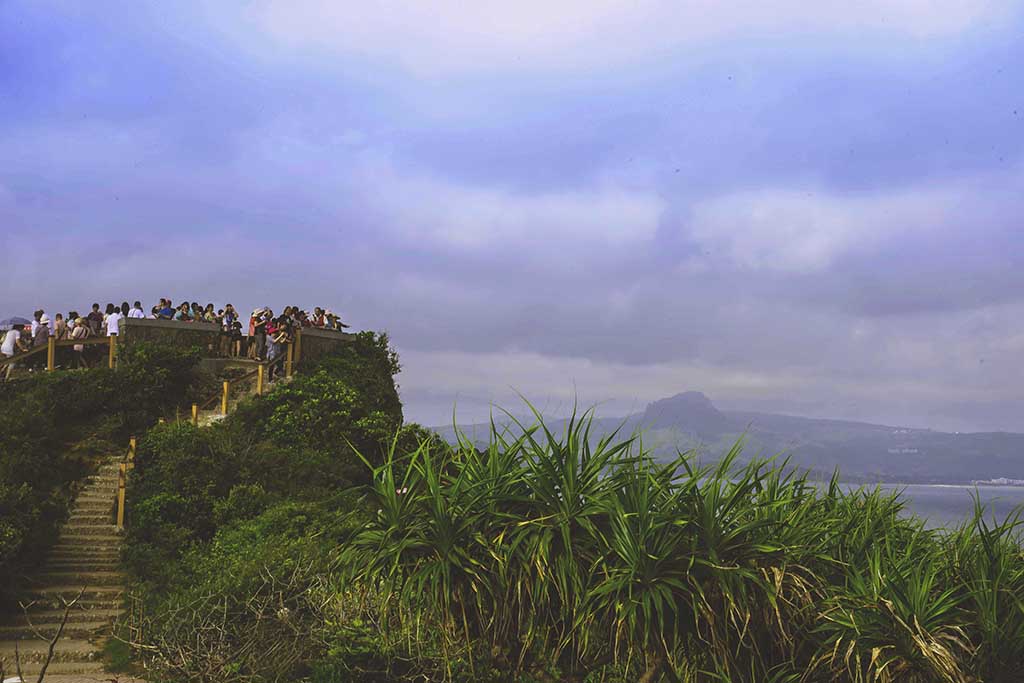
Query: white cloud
column 420, row 208
column 449, row 36
column 806, row 231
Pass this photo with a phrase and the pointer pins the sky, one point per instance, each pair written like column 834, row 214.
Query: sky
column 804, row 208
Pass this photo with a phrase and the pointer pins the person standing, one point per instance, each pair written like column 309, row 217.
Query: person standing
column 42, row 331
column 260, row 332
column 113, row 320
column 136, row 310
column 95, row 320
column 80, row 332
column 60, row 328
column 11, row 346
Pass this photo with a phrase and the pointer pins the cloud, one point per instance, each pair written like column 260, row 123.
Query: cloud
column 806, row 231
column 811, row 205
column 449, row 37
column 420, row 208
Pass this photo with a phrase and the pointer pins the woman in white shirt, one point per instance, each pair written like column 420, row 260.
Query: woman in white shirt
column 112, row 321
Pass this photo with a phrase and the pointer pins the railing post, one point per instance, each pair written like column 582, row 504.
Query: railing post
column 288, row 361
column 113, row 349
column 259, row 379
column 224, row 399
column 131, row 449
column 195, row 414
column 122, row 476
column 51, row 353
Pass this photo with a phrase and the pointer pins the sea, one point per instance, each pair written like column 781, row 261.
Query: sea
column 948, row 506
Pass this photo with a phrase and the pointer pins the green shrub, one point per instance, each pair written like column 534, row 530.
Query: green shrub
column 549, row 554
column 295, row 443
column 54, row 426
column 248, row 603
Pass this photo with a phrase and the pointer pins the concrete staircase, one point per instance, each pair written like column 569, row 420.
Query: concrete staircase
column 86, row 556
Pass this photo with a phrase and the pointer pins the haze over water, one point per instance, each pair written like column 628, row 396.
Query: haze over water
column 945, row 506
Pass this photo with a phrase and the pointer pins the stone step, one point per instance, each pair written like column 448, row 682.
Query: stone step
column 102, row 478
column 79, row 630
column 80, row 565
column 95, row 518
column 66, row 672
column 96, row 496
column 91, row 596
column 35, row 651
column 73, row 550
column 109, row 536
column 94, row 507
column 85, row 552
column 89, row 529
column 86, row 603
column 94, row 578
column 46, row 617
column 72, row 553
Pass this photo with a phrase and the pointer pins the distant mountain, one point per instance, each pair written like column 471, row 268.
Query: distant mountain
column 691, row 411
column 862, row 452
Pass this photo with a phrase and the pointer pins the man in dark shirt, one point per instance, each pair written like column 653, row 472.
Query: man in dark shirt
column 95, row 320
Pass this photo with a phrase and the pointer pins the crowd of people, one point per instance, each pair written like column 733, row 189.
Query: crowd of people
column 265, row 338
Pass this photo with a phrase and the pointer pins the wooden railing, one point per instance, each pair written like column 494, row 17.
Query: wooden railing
column 52, row 343
column 127, row 463
column 286, row 360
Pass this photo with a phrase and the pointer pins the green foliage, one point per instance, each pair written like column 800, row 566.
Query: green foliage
column 312, row 536
column 295, row 443
column 52, row 427
column 155, row 379
column 544, row 553
column 248, row 603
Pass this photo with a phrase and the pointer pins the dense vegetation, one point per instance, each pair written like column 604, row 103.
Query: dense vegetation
column 54, row 425
column 301, row 538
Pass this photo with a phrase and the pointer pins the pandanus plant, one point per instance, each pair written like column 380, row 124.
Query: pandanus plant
column 565, row 555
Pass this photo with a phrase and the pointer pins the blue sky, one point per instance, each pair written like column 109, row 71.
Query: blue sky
column 807, row 209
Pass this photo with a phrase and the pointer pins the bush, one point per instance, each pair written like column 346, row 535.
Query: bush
column 299, row 442
column 53, row 427
column 550, row 554
column 248, row 603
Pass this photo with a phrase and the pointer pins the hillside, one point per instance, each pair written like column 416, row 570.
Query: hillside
column 862, row 452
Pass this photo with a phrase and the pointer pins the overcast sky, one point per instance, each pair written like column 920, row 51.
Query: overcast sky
column 803, row 207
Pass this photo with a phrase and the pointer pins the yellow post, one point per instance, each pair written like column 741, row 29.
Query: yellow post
column 288, row 361
column 122, row 476
column 131, row 449
column 113, row 349
column 51, row 353
column 195, row 414
column 224, row 399
column 259, row 379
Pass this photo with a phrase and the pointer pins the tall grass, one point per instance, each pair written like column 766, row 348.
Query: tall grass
column 565, row 557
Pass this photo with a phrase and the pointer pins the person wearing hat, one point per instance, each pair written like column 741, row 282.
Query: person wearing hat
column 334, row 322
column 42, row 330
